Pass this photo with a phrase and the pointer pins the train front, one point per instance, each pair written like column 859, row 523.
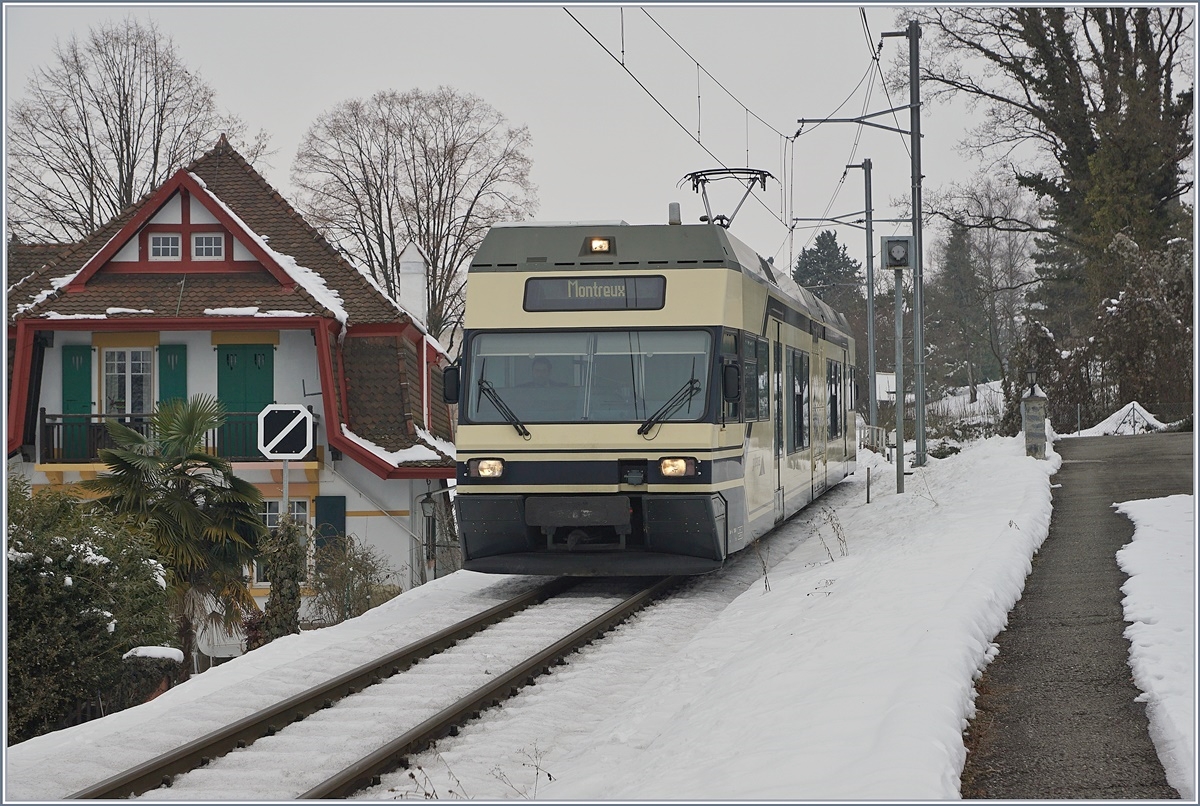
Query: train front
column 592, row 397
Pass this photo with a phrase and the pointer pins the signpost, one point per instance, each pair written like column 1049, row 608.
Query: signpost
column 898, row 254
column 285, row 431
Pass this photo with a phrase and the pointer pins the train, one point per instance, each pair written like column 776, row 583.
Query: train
column 640, row 400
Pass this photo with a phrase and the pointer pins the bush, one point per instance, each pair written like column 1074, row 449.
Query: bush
column 284, row 553
column 82, row 591
column 141, row 680
column 350, row 577
column 943, row 449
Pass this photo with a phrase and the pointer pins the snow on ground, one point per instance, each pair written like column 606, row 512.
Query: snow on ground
column 957, row 405
column 845, row 673
column 1160, row 606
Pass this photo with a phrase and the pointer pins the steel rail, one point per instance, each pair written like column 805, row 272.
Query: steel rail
column 160, row 770
column 368, row 770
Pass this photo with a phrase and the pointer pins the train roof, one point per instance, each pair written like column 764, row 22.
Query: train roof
column 532, row 246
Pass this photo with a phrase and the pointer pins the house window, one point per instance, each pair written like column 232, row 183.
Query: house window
column 208, row 247
column 269, row 515
column 164, row 246
column 128, row 380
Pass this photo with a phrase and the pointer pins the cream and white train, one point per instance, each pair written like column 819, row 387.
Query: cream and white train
column 640, row 400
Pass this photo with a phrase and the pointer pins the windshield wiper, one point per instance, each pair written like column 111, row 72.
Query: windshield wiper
column 685, row 393
column 512, row 419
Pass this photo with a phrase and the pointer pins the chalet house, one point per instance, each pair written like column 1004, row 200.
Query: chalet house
column 214, row 284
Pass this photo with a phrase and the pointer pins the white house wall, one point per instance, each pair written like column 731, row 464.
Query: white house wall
column 381, row 512
column 201, row 214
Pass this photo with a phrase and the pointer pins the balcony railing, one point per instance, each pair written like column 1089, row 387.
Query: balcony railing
column 78, row 438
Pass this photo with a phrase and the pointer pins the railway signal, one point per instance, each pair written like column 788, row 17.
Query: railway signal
column 285, row 431
column 897, row 251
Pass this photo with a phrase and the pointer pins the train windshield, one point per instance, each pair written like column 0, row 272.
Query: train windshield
column 589, row 376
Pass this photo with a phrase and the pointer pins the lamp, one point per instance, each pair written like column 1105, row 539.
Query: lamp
column 1031, row 378
column 427, row 506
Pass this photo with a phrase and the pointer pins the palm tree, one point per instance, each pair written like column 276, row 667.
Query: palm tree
column 204, row 519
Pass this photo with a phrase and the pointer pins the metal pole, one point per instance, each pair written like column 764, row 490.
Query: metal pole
column 872, row 392
column 284, row 506
column 914, row 92
column 899, row 381
column 870, row 302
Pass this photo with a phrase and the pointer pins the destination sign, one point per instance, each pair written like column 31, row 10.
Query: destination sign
column 595, row 293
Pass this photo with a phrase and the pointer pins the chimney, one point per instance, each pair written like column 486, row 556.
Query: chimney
column 412, row 287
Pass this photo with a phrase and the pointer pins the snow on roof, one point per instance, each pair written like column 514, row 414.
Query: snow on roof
column 312, row 282
column 251, row 310
column 441, row 444
column 417, row 453
column 55, row 284
column 615, row 223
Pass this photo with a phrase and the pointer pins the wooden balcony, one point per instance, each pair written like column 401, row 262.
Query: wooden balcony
column 78, row 438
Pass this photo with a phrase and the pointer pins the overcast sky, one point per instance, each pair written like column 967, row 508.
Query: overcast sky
column 603, row 148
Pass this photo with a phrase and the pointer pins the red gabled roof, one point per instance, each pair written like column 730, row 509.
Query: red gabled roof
column 302, row 278
column 182, row 180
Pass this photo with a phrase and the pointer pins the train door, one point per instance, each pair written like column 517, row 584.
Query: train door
column 759, row 463
column 777, row 419
column 820, row 420
column 835, row 391
column 848, row 411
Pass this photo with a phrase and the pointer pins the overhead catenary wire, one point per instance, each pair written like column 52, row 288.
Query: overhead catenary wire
column 699, row 66
column 663, row 107
column 883, row 80
column 869, row 77
column 787, row 142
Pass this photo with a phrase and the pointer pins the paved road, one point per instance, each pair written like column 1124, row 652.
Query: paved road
column 1056, row 711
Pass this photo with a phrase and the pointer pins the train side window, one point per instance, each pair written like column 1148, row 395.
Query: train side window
column 750, row 376
column 729, row 352
column 762, row 348
column 797, row 429
column 833, row 372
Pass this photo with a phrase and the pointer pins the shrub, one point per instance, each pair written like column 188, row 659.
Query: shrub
column 82, row 591
column 350, row 577
column 284, row 553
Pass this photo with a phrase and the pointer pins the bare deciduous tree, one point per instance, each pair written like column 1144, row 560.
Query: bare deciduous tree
column 1102, row 93
column 436, row 168
column 111, row 118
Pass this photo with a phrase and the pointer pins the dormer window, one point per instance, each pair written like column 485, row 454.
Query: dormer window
column 165, row 246
column 208, row 246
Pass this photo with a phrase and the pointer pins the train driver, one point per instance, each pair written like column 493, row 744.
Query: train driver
column 541, row 373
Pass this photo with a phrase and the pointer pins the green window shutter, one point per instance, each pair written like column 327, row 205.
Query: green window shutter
column 330, row 518
column 76, row 399
column 172, row 372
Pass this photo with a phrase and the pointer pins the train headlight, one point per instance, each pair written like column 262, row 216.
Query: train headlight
column 675, row 467
column 599, row 246
column 485, row 468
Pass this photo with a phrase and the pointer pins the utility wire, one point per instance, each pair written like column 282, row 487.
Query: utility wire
column 883, row 80
column 699, row 66
column 849, row 160
column 664, row 108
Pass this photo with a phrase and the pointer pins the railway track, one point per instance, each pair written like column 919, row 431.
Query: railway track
column 466, row 669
